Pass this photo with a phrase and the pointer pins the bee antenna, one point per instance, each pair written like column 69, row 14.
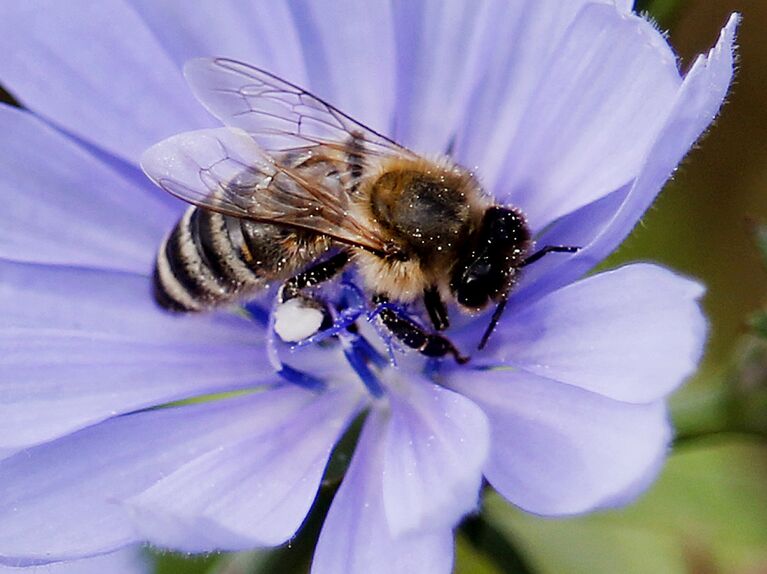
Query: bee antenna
column 493, row 322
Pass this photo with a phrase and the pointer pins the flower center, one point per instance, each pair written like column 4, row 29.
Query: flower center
column 346, row 320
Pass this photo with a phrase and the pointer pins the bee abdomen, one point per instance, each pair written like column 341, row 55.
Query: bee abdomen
column 198, row 267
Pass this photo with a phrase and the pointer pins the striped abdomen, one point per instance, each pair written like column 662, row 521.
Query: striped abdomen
column 209, row 259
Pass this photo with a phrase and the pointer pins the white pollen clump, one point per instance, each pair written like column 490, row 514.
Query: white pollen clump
column 295, row 321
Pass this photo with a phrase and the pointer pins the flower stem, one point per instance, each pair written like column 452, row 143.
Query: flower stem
column 493, row 544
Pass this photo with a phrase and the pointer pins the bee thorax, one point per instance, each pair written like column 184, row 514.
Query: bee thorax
column 400, row 280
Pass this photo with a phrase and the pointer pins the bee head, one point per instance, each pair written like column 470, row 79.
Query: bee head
column 486, row 271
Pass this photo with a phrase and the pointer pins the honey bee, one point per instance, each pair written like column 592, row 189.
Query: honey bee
column 294, row 190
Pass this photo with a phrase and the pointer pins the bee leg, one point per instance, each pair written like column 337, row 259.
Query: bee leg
column 314, row 275
column 343, row 319
column 414, row 336
column 436, row 308
column 549, row 249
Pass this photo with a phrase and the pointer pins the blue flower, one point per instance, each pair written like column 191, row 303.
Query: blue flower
column 573, row 111
column 126, row 561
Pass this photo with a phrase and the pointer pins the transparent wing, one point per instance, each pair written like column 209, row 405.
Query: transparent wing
column 226, row 171
column 279, row 115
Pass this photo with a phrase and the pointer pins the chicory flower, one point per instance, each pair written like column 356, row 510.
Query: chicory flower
column 573, row 111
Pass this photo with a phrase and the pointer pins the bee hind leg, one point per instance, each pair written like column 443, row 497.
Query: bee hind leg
column 314, row 275
column 412, row 335
column 340, row 320
column 298, row 317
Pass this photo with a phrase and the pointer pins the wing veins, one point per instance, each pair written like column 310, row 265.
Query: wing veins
column 279, row 85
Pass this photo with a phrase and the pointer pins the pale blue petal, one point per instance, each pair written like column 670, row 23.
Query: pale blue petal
column 634, row 334
column 96, row 70
column 131, row 560
column 65, row 499
column 254, row 491
column 520, row 44
column 599, row 104
column 258, row 33
column 64, row 206
column 442, row 48
column 599, row 231
column 349, row 52
column 436, row 445
column 79, row 346
column 557, row 449
column 356, row 537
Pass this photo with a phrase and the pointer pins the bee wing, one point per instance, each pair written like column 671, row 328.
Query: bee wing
column 279, row 115
column 224, row 170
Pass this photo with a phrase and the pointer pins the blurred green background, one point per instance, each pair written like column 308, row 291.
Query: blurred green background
column 707, row 513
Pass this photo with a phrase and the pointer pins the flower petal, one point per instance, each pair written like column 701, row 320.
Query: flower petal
column 130, row 560
column 348, row 48
column 576, row 229
column 441, row 48
column 600, row 102
column 64, row 206
column 253, row 491
column 64, row 499
column 600, row 230
column 435, row 447
column 258, row 33
column 557, row 449
column 523, row 37
column 625, row 5
column 78, row 346
column 97, row 72
column 633, row 334
column 356, row 538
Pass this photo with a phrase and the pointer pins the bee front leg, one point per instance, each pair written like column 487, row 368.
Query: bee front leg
column 414, row 336
column 549, row 249
column 436, row 309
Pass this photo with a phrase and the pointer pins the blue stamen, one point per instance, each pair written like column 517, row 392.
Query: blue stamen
column 259, row 314
column 352, row 306
column 271, row 341
column 341, row 322
column 370, row 352
column 285, row 371
column 301, row 378
column 431, row 368
column 356, row 353
column 353, row 295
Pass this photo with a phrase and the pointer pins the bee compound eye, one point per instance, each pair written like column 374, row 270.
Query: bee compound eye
column 472, row 292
